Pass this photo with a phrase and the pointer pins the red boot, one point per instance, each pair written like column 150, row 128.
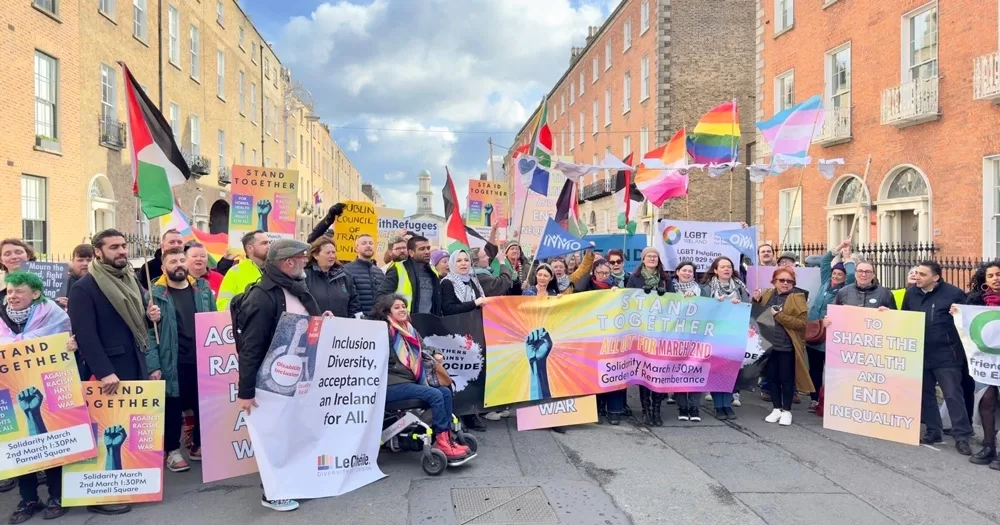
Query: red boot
column 443, row 443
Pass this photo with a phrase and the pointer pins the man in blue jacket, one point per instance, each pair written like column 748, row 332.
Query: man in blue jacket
column 943, row 355
column 366, row 274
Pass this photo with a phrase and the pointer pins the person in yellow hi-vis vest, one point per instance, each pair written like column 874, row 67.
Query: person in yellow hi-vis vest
column 415, row 278
column 911, row 279
column 247, row 272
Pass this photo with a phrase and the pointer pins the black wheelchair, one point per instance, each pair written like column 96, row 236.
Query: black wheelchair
column 405, row 429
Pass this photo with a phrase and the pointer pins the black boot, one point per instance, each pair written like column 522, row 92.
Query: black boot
column 646, row 402
column 985, row 455
column 655, row 409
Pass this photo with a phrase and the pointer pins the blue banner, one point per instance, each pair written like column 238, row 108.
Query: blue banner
column 631, row 245
column 743, row 239
column 557, row 241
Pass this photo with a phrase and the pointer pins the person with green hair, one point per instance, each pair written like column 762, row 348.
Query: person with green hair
column 26, row 314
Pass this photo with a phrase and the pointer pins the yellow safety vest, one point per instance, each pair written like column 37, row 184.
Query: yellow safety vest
column 236, row 281
column 403, row 285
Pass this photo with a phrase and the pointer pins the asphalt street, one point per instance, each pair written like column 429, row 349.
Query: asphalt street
column 744, row 471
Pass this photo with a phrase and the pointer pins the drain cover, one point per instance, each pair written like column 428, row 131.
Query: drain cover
column 502, row 505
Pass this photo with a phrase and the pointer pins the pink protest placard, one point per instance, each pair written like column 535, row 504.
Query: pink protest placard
column 225, row 442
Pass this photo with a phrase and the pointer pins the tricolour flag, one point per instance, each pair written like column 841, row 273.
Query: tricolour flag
column 454, row 231
column 157, row 163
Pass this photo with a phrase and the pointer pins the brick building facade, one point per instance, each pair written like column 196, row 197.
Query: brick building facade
column 651, row 68
column 907, row 82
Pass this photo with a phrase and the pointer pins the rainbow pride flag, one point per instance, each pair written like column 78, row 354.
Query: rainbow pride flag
column 215, row 243
column 789, row 132
column 716, row 138
column 661, row 175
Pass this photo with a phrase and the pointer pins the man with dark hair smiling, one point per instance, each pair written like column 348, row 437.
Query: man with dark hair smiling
column 170, row 239
column 415, row 279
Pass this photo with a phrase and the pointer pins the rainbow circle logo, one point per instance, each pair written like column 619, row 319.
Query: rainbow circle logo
column 671, row 235
column 984, row 333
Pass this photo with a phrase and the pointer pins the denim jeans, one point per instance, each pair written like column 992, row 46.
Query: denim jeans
column 722, row 399
column 614, row 401
column 439, row 399
column 28, row 484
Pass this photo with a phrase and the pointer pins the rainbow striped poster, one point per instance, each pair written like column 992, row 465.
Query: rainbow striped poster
column 541, row 348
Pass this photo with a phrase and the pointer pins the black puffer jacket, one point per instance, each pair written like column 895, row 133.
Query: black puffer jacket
column 942, row 347
column 334, row 291
column 872, row 296
column 367, row 278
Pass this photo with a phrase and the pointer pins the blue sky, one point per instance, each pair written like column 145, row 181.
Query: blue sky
column 408, row 85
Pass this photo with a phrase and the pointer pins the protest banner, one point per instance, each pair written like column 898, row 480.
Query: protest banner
column 43, row 416
column 129, row 464
column 559, row 413
column 536, row 210
column 226, row 451
column 461, row 341
column 693, row 241
column 744, row 240
column 556, row 241
column 385, row 228
column 758, row 344
column 425, row 227
column 874, row 373
column 359, row 218
column 321, row 397
column 54, row 277
column 487, row 205
column 981, row 339
column 263, row 199
column 593, row 342
column 631, row 245
column 808, row 279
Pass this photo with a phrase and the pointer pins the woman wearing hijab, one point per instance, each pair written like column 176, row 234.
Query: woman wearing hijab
column 408, row 377
column 720, row 283
column 651, row 277
column 26, row 314
column 460, row 290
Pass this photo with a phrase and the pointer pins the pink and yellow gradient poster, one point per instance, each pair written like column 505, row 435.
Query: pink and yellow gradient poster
column 128, row 426
column 874, row 373
column 43, row 417
column 558, row 413
column 263, row 199
column 225, row 441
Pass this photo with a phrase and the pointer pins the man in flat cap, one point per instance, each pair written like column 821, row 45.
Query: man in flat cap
column 282, row 288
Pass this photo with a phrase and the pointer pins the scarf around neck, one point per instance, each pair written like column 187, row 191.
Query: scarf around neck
column 650, row 277
column 406, row 345
column 726, row 290
column 466, row 284
column 690, row 286
column 40, row 320
column 562, row 283
column 19, row 316
column 296, row 287
column 991, row 298
column 122, row 291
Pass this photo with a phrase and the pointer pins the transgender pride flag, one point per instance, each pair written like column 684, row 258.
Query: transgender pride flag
column 790, row 132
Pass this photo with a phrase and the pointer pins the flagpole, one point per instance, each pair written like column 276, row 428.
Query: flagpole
column 864, row 190
column 145, row 258
column 802, row 173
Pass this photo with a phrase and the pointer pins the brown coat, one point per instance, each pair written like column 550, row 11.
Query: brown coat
column 793, row 318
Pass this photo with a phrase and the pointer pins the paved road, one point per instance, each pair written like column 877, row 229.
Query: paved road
column 746, row 472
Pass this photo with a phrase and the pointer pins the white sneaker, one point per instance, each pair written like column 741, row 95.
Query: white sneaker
column 736, row 400
column 505, row 413
column 492, row 416
column 280, row 505
column 786, row 418
column 774, row 416
column 708, row 397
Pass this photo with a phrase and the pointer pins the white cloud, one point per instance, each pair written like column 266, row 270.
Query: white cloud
column 353, row 144
column 394, row 176
column 405, row 139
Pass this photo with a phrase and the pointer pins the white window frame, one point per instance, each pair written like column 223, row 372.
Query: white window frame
column 572, row 141
column 222, row 148
column 907, row 66
column 109, row 92
column 46, row 95
column 790, row 197
column 627, row 92
column 626, row 145
column 220, row 74
column 572, row 94
column 562, row 104
column 607, row 54
column 597, row 116
column 35, row 208
column 562, row 143
column 582, row 127
column 267, row 116
column 107, row 8
column 643, row 17
column 174, row 35
column 220, row 13
column 991, row 206
column 242, row 38
column 195, row 141
column 627, row 32
column 644, row 78
column 253, row 51
column 194, row 39
column 140, row 18
column 834, row 98
column 243, row 153
column 782, row 98
column 582, row 88
column 607, row 107
column 174, row 114
column 241, row 77
column 253, row 103
column 643, row 141
column 781, row 7
column 597, row 74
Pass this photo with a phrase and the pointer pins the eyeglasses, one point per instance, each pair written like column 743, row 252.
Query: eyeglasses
column 605, row 274
column 864, row 272
column 616, row 261
column 786, row 281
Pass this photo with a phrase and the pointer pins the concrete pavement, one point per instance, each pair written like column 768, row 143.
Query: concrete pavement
column 744, row 471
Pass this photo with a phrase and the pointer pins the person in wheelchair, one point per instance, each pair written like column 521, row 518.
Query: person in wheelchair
column 408, row 374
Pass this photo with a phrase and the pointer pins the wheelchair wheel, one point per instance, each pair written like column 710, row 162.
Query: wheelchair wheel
column 434, row 462
column 464, row 438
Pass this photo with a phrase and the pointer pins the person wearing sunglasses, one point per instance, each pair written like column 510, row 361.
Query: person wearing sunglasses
column 786, row 364
column 616, row 258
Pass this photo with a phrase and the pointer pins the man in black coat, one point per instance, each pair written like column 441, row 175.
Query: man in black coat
column 108, row 314
column 944, row 355
column 366, row 275
column 420, row 284
column 171, row 239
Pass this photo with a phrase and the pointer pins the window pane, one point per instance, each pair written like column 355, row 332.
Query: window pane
column 45, row 95
column 923, row 44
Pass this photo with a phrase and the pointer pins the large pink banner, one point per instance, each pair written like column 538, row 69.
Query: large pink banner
column 225, row 443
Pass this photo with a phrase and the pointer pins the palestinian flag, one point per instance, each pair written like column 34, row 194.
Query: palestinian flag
column 454, row 231
column 568, row 210
column 628, row 197
column 157, row 163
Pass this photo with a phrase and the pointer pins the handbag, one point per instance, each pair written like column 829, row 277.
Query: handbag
column 815, row 332
column 440, row 376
